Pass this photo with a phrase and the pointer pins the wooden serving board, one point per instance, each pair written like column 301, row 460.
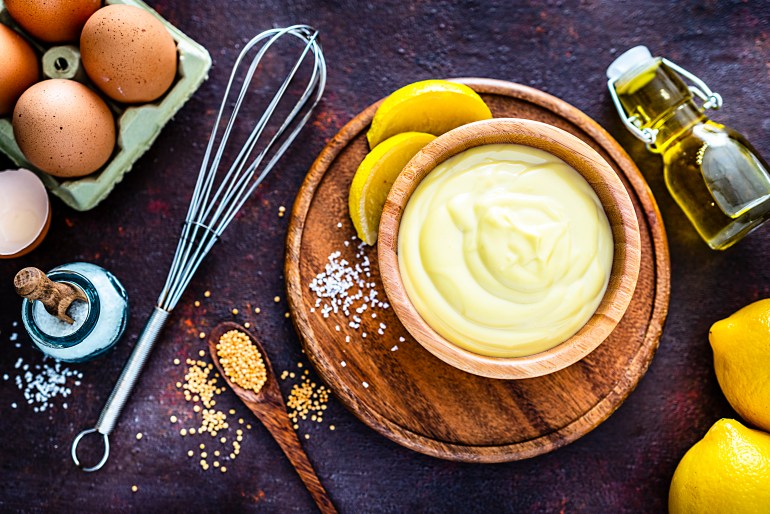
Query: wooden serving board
column 414, row 398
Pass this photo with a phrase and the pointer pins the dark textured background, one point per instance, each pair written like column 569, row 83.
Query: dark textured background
column 372, row 48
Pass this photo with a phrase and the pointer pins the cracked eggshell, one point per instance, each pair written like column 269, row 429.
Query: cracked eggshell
column 63, row 128
column 25, row 213
column 128, row 54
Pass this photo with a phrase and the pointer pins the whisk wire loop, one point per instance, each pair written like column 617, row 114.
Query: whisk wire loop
column 215, row 206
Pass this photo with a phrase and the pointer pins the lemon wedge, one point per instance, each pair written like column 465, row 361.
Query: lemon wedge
column 375, row 176
column 431, row 106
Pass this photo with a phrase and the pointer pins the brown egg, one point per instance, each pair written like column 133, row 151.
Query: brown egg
column 128, row 54
column 64, row 128
column 54, row 21
column 20, row 69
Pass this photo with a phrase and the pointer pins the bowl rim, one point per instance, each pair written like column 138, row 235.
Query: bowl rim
column 617, row 205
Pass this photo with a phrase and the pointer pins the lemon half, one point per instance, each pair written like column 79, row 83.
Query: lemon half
column 375, row 176
column 431, row 106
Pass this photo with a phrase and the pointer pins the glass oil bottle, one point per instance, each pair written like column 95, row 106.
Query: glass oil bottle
column 713, row 173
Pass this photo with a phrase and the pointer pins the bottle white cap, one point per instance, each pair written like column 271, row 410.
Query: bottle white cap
column 629, row 60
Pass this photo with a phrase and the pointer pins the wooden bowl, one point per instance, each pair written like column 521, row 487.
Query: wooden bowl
column 617, row 205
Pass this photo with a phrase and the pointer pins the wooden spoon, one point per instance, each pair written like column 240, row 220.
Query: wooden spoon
column 269, row 408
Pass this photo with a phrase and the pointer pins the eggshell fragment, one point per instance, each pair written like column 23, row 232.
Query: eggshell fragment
column 25, row 213
column 128, row 54
column 64, row 128
column 53, row 21
column 19, row 66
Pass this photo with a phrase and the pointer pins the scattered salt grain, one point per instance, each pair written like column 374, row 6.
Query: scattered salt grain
column 342, row 287
column 394, row 348
column 48, row 381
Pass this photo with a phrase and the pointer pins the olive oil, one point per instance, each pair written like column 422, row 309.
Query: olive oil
column 713, row 173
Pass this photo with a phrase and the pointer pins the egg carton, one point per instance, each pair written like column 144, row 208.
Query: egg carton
column 137, row 125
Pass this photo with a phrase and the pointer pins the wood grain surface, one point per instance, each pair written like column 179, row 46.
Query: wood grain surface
column 423, row 403
column 268, row 406
column 623, row 466
column 611, row 193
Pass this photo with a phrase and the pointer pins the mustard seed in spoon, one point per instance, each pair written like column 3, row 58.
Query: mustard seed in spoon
column 241, row 360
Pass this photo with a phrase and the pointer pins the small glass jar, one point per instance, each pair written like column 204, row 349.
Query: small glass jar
column 99, row 320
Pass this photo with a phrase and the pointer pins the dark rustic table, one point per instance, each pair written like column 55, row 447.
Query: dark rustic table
column 372, row 48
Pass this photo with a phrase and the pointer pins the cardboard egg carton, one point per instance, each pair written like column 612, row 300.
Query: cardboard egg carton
column 137, row 125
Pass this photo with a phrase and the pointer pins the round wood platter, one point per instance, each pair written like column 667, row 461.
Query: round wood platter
column 412, row 397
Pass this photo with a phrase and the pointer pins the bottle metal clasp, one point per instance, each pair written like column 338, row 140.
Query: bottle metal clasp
column 711, row 100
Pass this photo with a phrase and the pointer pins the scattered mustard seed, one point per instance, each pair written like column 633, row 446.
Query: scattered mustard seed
column 134, row 488
column 286, row 314
column 138, row 436
column 183, row 432
column 257, row 310
column 235, row 312
column 207, row 294
column 223, row 469
column 197, row 303
column 190, row 453
column 277, row 299
column 247, row 325
column 172, row 419
column 331, row 427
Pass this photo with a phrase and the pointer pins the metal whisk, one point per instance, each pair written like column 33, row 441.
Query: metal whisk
column 221, row 191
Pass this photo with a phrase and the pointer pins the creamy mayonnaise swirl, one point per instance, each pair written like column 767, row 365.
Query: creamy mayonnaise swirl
column 505, row 250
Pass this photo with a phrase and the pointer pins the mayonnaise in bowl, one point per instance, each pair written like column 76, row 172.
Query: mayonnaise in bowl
column 505, row 250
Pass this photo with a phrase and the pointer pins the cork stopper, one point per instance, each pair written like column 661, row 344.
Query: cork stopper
column 56, row 297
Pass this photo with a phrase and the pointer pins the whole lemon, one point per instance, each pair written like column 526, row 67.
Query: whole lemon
column 741, row 345
column 728, row 471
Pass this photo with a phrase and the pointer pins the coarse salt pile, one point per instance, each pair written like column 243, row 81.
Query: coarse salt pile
column 41, row 383
column 347, row 287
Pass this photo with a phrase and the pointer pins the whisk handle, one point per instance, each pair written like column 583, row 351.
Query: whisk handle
column 125, row 384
